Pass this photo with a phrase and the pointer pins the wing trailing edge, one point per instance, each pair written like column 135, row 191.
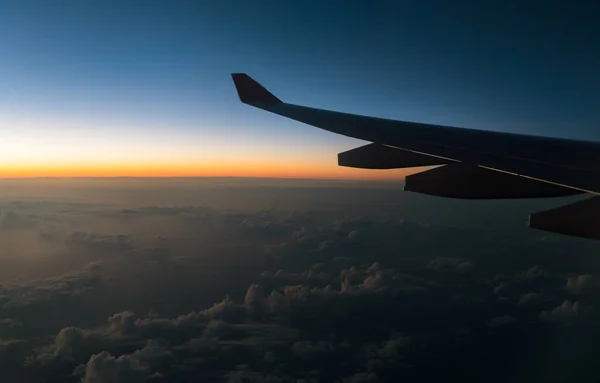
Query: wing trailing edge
column 376, row 156
column 465, row 181
column 579, row 219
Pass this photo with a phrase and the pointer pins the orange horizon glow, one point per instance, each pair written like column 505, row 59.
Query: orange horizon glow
column 253, row 169
column 42, row 150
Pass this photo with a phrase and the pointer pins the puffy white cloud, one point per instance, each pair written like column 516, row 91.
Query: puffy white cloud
column 71, row 343
column 218, row 329
column 568, row 313
column 135, row 367
column 154, row 356
column 313, row 274
column 255, row 298
column 534, row 272
column 122, row 323
column 105, row 368
column 49, row 291
column 376, row 279
column 394, row 348
column 501, row 288
column 226, row 310
column 532, row 299
column 8, row 324
column 579, row 284
column 70, row 340
column 269, row 357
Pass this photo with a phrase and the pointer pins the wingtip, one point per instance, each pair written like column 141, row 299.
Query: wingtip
column 251, row 92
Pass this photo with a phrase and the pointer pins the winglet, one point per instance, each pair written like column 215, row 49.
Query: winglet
column 251, row 92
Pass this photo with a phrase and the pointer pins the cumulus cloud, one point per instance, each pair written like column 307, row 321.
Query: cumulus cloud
column 6, row 324
column 154, row 356
column 255, row 298
column 105, row 368
column 567, row 313
column 533, row 272
column 533, row 299
column 226, row 324
column 43, row 292
column 122, row 323
column 311, row 275
column 100, row 242
column 69, row 344
column 11, row 220
column 393, row 349
column 579, row 284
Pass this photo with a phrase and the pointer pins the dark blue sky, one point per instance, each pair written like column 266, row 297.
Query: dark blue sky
column 161, row 68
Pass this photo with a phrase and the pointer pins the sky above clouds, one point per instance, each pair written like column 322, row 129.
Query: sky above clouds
column 143, row 88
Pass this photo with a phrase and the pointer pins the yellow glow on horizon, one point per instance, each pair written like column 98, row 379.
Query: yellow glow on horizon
column 251, row 168
column 62, row 150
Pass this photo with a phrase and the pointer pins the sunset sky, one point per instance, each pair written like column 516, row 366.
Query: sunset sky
column 143, row 88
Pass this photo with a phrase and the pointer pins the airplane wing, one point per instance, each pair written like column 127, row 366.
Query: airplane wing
column 475, row 164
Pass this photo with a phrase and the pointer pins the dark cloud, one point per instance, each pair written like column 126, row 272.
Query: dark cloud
column 99, row 242
column 391, row 349
column 11, row 220
column 579, row 284
column 450, row 264
column 567, row 313
column 308, row 350
column 38, row 297
column 361, row 377
column 122, row 323
column 534, row 300
column 245, row 374
column 104, row 367
column 501, row 321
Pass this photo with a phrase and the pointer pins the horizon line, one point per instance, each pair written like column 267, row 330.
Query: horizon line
column 201, row 177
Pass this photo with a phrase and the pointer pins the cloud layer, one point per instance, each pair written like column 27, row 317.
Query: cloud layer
column 107, row 293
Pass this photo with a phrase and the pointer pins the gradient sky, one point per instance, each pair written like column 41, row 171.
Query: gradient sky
column 143, row 88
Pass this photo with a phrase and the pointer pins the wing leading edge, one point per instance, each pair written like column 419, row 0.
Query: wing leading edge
column 566, row 166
